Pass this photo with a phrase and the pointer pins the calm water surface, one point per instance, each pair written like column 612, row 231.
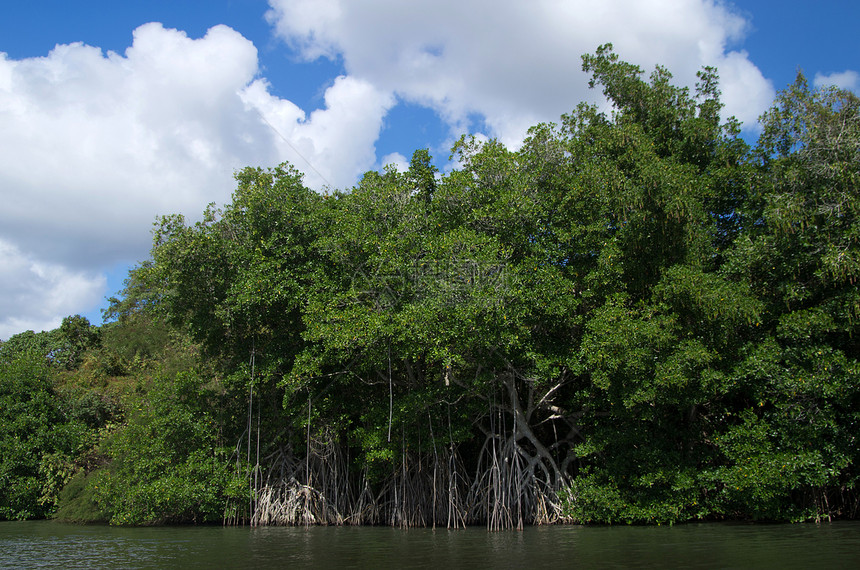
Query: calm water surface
column 54, row 545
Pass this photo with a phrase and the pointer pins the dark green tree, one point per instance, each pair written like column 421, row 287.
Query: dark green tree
column 634, row 317
column 795, row 451
column 38, row 442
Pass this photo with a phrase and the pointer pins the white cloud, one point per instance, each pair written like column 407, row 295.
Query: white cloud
column 744, row 92
column 515, row 63
column 397, row 160
column 333, row 145
column 848, row 79
column 96, row 145
column 37, row 295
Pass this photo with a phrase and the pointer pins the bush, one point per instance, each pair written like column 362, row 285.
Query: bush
column 166, row 463
column 37, row 441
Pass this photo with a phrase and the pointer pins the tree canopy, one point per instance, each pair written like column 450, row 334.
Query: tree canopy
column 634, row 317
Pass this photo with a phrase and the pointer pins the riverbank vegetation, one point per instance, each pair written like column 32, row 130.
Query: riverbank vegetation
column 635, row 317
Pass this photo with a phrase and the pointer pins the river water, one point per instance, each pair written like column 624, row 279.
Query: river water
column 42, row 544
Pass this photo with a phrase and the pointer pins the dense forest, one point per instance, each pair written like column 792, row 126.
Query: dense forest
column 635, row 317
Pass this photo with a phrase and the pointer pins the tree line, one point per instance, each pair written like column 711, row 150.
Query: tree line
column 634, row 317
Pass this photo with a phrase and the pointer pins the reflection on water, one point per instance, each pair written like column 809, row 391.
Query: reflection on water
column 53, row 545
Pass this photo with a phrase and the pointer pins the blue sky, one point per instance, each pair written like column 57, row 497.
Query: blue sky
column 113, row 113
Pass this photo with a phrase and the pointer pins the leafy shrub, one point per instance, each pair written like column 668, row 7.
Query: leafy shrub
column 166, row 463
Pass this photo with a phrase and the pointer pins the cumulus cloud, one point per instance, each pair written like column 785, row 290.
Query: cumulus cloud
column 334, row 144
column 514, row 63
column 37, row 295
column 396, row 160
column 96, row 145
column 849, row 80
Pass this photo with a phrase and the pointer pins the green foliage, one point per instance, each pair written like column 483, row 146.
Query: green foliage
column 657, row 319
column 78, row 503
column 38, row 442
column 737, row 375
column 62, row 347
column 167, row 464
column 614, row 266
column 649, row 498
column 21, row 344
